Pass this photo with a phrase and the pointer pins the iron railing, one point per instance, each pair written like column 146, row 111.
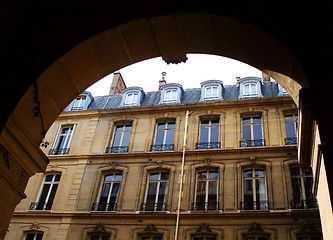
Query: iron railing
column 154, row 207
column 255, row 95
column 303, row 204
column 254, row 205
column 161, row 147
column 208, row 145
column 117, row 149
column 105, row 207
column 205, row 206
column 40, row 206
column 58, row 151
column 252, row 143
column 290, row 141
column 78, row 108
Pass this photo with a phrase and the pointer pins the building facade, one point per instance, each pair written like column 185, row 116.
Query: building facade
column 215, row 162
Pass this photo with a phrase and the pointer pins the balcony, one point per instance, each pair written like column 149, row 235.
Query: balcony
column 154, row 207
column 290, row 141
column 117, row 149
column 205, row 206
column 254, row 205
column 104, row 207
column 161, row 147
column 252, row 143
column 78, row 108
column 59, row 151
column 208, row 145
column 303, row 204
column 40, row 206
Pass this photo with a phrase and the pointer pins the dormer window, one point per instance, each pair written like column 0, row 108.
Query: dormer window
column 250, row 87
column 171, row 93
column 132, row 97
column 81, row 102
column 211, row 90
column 282, row 91
column 250, row 90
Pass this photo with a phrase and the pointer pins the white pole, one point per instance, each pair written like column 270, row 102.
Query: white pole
column 181, row 177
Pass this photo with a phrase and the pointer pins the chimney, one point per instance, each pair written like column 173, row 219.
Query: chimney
column 265, row 77
column 118, row 84
column 162, row 82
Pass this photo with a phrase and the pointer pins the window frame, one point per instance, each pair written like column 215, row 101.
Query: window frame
column 209, row 144
column 121, row 148
column 164, row 147
column 249, row 85
column 211, row 98
column 78, row 102
column 55, row 150
column 291, row 140
column 131, row 102
column 172, row 92
column 253, row 142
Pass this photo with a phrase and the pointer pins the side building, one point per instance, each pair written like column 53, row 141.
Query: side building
column 209, row 163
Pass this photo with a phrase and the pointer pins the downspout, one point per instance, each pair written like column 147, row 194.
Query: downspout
column 181, row 176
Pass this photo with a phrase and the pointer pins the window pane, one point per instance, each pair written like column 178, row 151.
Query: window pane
column 117, row 138
column 164, row 176
column 154, row 176
column 119, row 128
column 49, row 178
column 202, row 175
column 259, row 173
column 294, row 171
column 208, row 92
column 307, row 171
column 30, row 236
column 214, row 134
column 213, row 175
column 212, row 191
column 247, row 89
column 290, row 130
column 253, row 89
column 260, row 190
column 159, row 137
column 169, row 136
column 43, row 195
column 201, row 190
column 297, row 189
column 204, row 123
column 126, row 137
column 246, row 132
column 39, row 236
column 57, row 178
column 115, row 190
column 162, row 192
column 248, row 173
column 161, row 126
column 171, row 125
column 51, row 197
column 204, row 135
column 308, row 188
column 106, row 237
column 151, row 195
column 257, row 132
column 108, row 177
column 248, row 190
column 105, row 192
column 117, row 177
column 214, row 92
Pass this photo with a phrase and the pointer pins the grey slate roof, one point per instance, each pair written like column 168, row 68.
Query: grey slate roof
column 230, row 92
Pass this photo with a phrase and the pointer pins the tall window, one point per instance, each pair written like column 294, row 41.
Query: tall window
column 206, row 191
column 120, row 140
column 291, row 129
column 170, row 96
column 103, row 236
column 107, row 199
column 47, row 193
column 34, row 236
column 131, row 99
column 254, row 190
column 302, row 181
column 63, row 140
column 250, row 90
column 252, row 134
column 156, row 192
column 209, row 134
column 164, row 136
column 211, row 93
column 79, row 103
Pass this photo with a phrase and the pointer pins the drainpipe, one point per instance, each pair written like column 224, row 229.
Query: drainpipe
column 181, row 177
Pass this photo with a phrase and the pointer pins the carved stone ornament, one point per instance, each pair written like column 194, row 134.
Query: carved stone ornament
column 150, row 228
column 35, row 226
column 100, row 227
column 204, row 228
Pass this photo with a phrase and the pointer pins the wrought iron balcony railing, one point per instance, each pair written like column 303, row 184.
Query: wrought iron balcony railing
column 205, row 206
column 40, row 206
column 252, row 143
column 303, row 204
column 154, row 207
column 208, row 145
column 161, row 147
column 254, row 205
column 105, row 207
column 58, row 151
column 290, row 141
column 254, row 95
column 117, row 149
column 77, row 108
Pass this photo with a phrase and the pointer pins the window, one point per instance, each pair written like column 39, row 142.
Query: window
column 206, row 191
column 170, row 96
column 250, row 90
column 156, row 192
column 209, row 134
column 63, row 140
column 104, row 236
column 78, row 104
column 302, row 181
column 120, row 140
column 108, row 195
column 34, row 236
column 47, row 193
column 151, row 237
column 254, row 190
column 164, row 136
column 211, row 93
column 291, row 129
column 252, row 135
column 131, row 99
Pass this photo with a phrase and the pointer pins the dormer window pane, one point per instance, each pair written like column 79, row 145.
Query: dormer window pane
column 210, row 92
column 170, row 96
column 131, row 99
column 78, row 103
column 250, row 90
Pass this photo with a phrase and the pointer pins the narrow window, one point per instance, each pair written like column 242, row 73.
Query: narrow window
column 291, row 129
column 47, row 193
column 209, row 135
column 252, row 134
column 34, row 236
column 63, row 140
column 107, row 199
column 254, row 190
column 170, row 96
column 156, row 192
column 250, row 90
column 164, row 136
column 131, row 99
column 211, row 93
column 206, row 197
column 79, row 103
column 302, row 182
column 120, row 139
column 103, row 236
